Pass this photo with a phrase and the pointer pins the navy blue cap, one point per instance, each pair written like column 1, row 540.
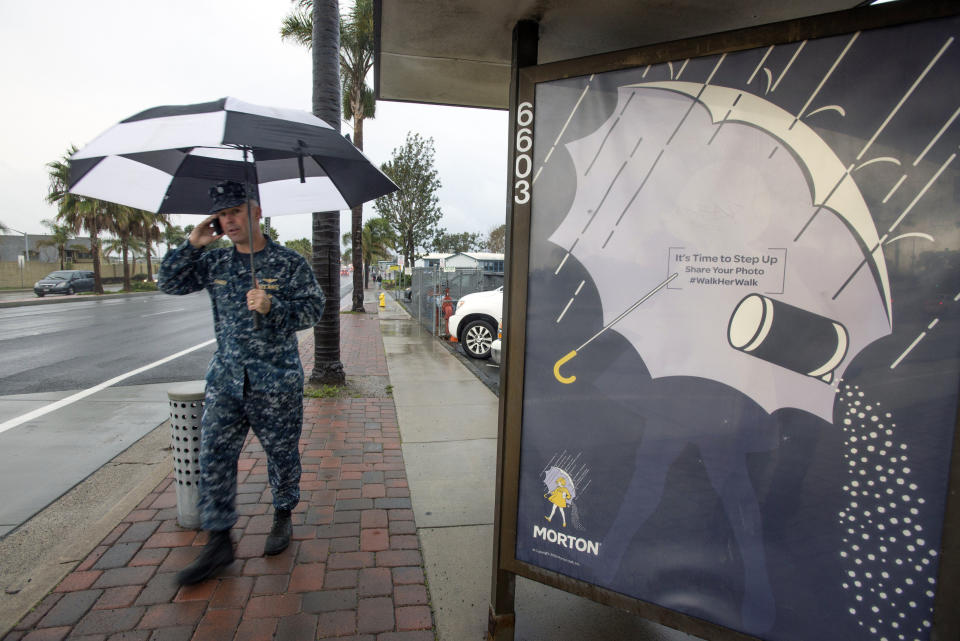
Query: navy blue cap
column 229, row 194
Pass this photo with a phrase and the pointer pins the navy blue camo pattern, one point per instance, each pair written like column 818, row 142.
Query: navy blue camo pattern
column 255, row 379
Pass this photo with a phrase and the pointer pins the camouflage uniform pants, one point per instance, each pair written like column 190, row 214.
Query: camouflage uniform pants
column 277, row 420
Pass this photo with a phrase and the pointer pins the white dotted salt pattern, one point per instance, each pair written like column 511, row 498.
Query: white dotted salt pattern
column 890, row 567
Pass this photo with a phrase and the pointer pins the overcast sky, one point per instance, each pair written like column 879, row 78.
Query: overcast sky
column 72, row 69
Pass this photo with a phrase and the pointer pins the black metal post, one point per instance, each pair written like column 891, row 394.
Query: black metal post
column 501, row 617
column 246, row 190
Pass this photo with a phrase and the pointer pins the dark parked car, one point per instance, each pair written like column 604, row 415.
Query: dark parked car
column 64, row 281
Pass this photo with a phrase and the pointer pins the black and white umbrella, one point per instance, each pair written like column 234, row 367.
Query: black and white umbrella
column 165, row 159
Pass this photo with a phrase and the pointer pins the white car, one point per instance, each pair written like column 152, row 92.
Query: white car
column 475, row 321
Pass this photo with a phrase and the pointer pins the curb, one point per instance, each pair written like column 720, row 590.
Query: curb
column 44, row 549
column 72, row 299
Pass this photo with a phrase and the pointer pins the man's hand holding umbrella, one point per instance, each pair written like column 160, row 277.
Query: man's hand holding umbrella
column 258, row 301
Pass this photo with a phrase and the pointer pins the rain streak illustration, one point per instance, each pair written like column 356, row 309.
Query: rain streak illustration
column 729, row 242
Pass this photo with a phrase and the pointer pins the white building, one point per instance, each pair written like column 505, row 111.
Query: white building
column 431, row 260
column 485, row 261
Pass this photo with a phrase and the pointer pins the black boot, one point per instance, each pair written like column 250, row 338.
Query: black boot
column 280, row 533
column 217, row 553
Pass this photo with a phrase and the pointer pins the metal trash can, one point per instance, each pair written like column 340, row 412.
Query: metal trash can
column 186, row 410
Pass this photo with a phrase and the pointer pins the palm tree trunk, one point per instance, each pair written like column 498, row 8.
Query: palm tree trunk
column 149, row 242
column 356, row 219
column 95, row 251
column 327, row 368
column 126, row 266
column 356, row 230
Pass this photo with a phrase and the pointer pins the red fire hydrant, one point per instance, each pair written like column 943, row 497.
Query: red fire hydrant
column 447, row 307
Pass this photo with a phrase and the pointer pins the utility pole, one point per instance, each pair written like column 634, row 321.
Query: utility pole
column 26, row 248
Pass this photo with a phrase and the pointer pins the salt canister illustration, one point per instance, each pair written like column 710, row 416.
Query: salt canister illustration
column 788, row 336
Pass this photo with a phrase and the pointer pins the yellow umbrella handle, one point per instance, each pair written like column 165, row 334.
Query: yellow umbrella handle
column 566, row 380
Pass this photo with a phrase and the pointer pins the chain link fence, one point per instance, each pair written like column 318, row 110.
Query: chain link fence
column 430, row 285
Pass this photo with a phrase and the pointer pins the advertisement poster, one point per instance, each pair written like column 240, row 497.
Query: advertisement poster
column 743, row 331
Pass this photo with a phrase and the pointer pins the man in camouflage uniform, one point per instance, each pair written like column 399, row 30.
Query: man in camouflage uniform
column 255, row 378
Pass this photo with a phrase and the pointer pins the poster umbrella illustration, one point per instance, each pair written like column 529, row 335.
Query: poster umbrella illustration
column 165, row 160
column 756, row 269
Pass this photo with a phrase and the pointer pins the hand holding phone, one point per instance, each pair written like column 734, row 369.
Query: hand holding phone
column 206, row 232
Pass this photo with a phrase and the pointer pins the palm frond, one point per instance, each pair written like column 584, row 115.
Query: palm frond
column 298, row 27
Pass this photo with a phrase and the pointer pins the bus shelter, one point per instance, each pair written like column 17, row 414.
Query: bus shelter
column 730, row 393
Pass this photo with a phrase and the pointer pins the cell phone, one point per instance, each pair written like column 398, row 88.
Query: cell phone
column 216, row 226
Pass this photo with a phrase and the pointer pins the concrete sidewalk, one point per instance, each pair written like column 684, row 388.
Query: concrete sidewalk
column 448, row 427
column 354, row 570
column 397, row 495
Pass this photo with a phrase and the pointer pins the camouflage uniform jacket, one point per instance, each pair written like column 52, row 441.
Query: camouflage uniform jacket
column 269, row 357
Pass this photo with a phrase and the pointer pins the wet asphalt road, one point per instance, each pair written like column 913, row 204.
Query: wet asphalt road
column 82, row 343
column 57, row 426
column 75, row 345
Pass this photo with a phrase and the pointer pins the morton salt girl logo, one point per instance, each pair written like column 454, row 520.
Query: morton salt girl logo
column 564, row 481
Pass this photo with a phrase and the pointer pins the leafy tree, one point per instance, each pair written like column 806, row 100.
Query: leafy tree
column 497, row 240
column 413, row 211
column 129, row 248
column 60, row 235
column 150, row 232
column 174, row 235
column 378, row 241
column 301, row 246
column 356, row 61
column 77, row 212
column 270, row 231
column 126, row 223
column 3, row 228
column 445, row 242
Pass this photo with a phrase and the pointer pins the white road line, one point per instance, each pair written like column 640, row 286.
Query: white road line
column 37, row 413
column 169, row 311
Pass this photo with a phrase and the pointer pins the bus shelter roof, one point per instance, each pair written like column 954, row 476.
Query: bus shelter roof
column 457, row 52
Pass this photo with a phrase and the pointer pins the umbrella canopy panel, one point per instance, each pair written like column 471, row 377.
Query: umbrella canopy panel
column 166, row 158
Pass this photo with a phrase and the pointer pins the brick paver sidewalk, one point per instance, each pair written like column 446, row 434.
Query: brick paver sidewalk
column 353, row 571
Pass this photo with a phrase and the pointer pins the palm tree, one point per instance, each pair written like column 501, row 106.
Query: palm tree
column 173, row 235
column 150, row 232
column 129, row 248
column 327, row 368
column 378, row 241
column 126, row 224
column 78, row 213
column 356, row 61
column 60, row 235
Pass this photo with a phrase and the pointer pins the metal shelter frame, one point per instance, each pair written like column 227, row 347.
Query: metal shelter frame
column 526, row 74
